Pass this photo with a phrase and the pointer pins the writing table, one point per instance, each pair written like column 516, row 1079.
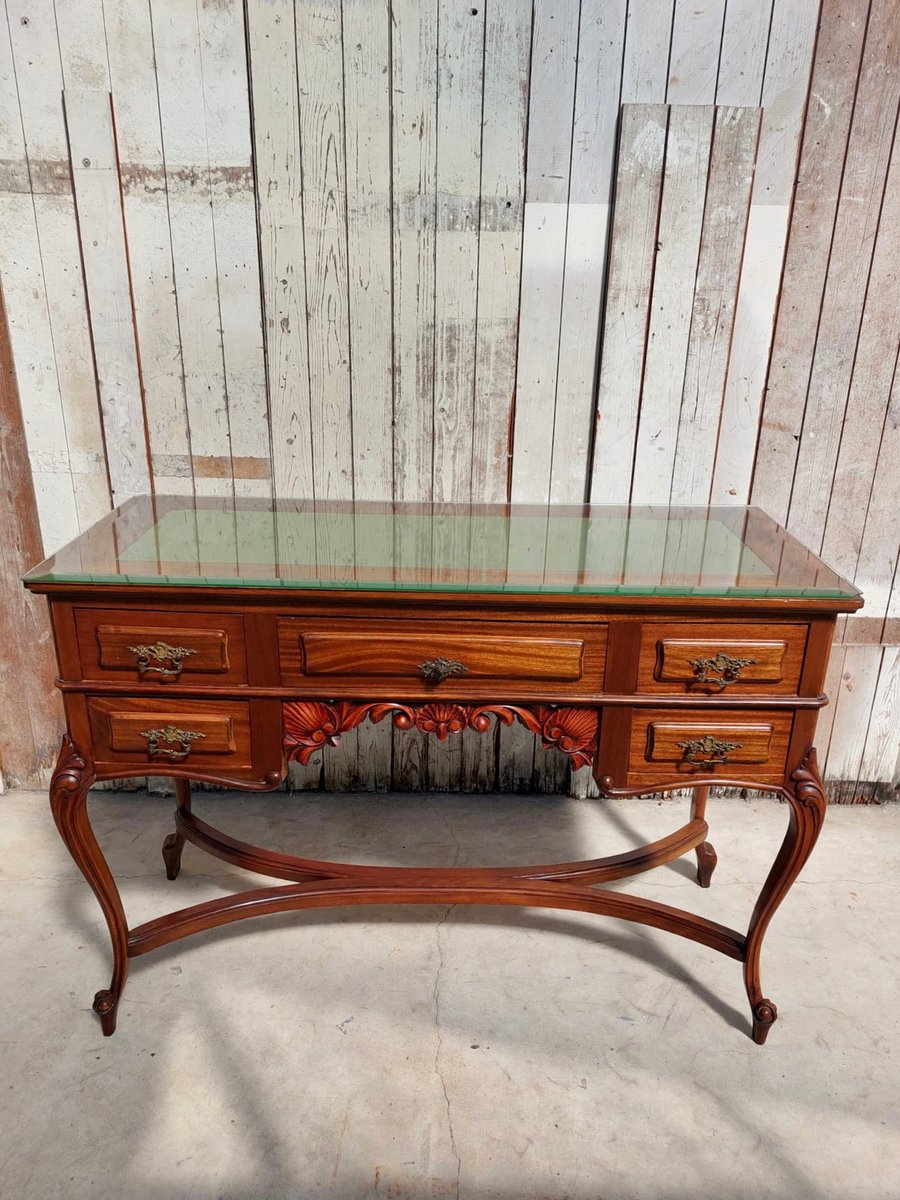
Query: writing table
column 665, row 648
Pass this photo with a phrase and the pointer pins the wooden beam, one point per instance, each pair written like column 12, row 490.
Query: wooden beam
column 30, row 728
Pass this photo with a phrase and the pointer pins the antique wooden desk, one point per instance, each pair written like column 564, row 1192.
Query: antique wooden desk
column 214, row 641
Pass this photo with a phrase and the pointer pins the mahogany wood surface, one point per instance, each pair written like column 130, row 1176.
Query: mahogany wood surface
column 607, row 680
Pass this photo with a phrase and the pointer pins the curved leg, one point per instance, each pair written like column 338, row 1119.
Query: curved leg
column 806, row 797
column 706, row 855
column 174, row 843
column 69, row 788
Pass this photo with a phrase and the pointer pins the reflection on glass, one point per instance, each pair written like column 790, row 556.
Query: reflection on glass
column 565, row 550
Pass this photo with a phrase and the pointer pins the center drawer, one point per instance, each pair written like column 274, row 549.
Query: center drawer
column 449, row 658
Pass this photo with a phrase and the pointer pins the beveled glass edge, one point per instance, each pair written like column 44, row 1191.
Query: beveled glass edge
column 159, row 506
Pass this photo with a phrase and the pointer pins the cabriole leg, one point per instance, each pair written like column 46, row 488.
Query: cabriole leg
column 174, row 843
column 806, row 796
column 69, row 789
column 706, row 855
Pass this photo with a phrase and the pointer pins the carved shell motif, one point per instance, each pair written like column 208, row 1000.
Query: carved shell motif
column 442, row 719
column 572, row 730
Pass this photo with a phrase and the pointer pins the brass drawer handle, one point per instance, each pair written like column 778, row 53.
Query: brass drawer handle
column 436, row 670
column 713, row 750
column 161, row 652
column 725, row 669
column 182, row 738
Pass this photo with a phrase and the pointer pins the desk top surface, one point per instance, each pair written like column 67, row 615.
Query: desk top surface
column 548, row 549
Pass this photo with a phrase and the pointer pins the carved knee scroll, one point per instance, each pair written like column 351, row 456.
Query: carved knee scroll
column 69, row 789
column 806, row 796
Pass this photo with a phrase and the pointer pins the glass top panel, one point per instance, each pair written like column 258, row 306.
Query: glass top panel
column 557, row 549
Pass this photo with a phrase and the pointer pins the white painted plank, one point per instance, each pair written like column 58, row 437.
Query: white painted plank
column 600, row 49
column 179, row 71
column 367, row 130
column 82, row 44
column 458, row 177
column 715, row 293
column 503, row 121
column 788, row 64
column 877, row 568
column 551, row 112
column 627, row 312
column 414, row 91
column 832, row 96
column 413, row 131
column 688, row 144
column 366, row 44
column 647, row 43
column 853, row 709
column 276, row 131
column 870, row 390
column 105, row 258
column 223, row 61
column 742, row 60
column 129, row 44
column 694, row 55
column 882, row 745
column 39, row 83
column 859, row 209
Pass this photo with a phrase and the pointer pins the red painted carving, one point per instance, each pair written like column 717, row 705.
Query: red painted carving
column 310, row 724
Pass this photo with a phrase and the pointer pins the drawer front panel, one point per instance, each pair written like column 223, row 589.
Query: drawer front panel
column 160, row 647
column 160, row 734
column 474, row 661
column 745, row 745
column 711, row 658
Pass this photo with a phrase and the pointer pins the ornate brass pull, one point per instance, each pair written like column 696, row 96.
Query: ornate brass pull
column 727, row 669
column 182, row 738
column 713, row 750
column 436, row 670
column 161, row 652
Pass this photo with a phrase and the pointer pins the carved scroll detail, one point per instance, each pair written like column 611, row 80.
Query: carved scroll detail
column 310, row 724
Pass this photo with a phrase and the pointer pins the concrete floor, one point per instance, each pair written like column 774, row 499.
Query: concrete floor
column 487, row 1054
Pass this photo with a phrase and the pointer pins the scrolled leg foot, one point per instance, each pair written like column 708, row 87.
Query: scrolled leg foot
column 806, row 797
column 765, row 1014
column 172, row 847
column 69, row 788
column 706, row 863
column 106, row 1006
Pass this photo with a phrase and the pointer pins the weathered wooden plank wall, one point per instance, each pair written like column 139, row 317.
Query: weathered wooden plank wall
column 529, row 250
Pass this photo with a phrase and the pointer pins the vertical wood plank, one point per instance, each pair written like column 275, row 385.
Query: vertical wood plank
column 869, row 396
column 75, row 446
column 882, row 745
column 627, row 313
column 142, row 176
column 367, row 130
column 551, row 113
column 853, row 708
column 715, row 293
column 647, row 42
column 105, row 257
column 742, row 59
column 507, row 50
column 179, row 69
column 788, row 64
column 859, row 209
column 276, row 142
column 688, row 144
column 320, row 80
column 223, row 61
column 694, row 56
column 599, row 70
column 831, row 99
column 413, row 132
column 30, row 728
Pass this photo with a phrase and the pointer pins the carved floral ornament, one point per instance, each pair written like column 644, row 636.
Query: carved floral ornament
column 311, row 724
